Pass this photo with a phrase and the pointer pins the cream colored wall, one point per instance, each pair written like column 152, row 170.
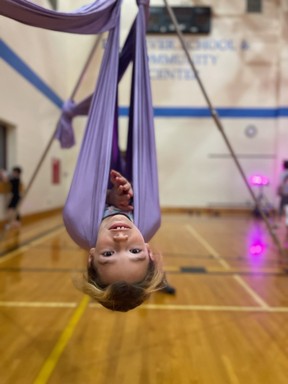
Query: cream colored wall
column 195, row 167
column 194, row 164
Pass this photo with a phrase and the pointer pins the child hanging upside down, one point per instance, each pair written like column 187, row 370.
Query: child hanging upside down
column 122, row 270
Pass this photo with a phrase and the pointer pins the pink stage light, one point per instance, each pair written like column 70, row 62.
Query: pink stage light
column 257, row 249
column 259, row 180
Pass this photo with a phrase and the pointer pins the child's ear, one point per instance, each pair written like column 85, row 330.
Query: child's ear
column 150, row 253
column 91, row 255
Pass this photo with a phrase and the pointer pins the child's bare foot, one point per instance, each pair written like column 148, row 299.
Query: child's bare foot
column 120, row 183
column 121, row 193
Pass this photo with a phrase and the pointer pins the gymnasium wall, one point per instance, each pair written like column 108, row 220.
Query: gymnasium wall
column 35, row 80
column 243, row 66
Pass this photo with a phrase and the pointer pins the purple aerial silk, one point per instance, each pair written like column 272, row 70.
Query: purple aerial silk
column 64, row 132
column 99, row 149
column 100, row 16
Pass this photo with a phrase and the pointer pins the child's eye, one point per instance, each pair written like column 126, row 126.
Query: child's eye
column 107, row 253
column 135, row 250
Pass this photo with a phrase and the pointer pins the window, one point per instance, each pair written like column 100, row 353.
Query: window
column 254, row 6
column 3, row 144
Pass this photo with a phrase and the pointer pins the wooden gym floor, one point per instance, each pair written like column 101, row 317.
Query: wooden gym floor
column 227, row 324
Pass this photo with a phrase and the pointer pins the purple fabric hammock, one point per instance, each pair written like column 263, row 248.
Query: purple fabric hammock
column 99, row 149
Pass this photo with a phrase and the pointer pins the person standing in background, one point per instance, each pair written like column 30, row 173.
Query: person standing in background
column 14, row 181
column 283, row 194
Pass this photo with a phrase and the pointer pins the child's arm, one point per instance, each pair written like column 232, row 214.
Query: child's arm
column 121, row 193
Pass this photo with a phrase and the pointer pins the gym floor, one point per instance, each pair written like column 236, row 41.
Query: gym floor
column 227, row 323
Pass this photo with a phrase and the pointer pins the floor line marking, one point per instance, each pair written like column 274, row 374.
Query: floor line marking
column 249, row 290
column 233, row 379
column 36, row 304
column 239, row 279
column 207, row 246
column 52, row 360
column 177, row 307
column 205, row 308
column 14, row 253
column 25, row 247
column 210, row 308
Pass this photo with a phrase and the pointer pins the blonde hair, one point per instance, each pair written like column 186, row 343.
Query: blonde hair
column 122, row 296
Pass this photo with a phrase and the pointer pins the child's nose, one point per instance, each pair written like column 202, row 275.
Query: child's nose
column 121, row 236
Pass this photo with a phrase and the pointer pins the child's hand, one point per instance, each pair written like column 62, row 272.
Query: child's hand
column 121, row 193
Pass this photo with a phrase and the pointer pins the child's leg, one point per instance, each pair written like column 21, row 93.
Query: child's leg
column 10, row 217
column 11, row 214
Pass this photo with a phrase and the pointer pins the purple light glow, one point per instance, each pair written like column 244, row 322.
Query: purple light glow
column 259, row 180
column 257, row 246
column 257, row 249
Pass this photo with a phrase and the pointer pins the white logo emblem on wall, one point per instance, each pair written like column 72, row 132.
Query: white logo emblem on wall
column 251, row 131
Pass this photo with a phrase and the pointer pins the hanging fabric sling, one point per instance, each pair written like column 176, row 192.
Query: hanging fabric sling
column 99, row 149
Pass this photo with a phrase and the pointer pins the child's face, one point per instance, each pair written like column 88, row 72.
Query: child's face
column 121, row 253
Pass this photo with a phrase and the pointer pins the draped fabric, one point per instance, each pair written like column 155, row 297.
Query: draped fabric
column 100, row 16
column 65, row 133
column 99, row 149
